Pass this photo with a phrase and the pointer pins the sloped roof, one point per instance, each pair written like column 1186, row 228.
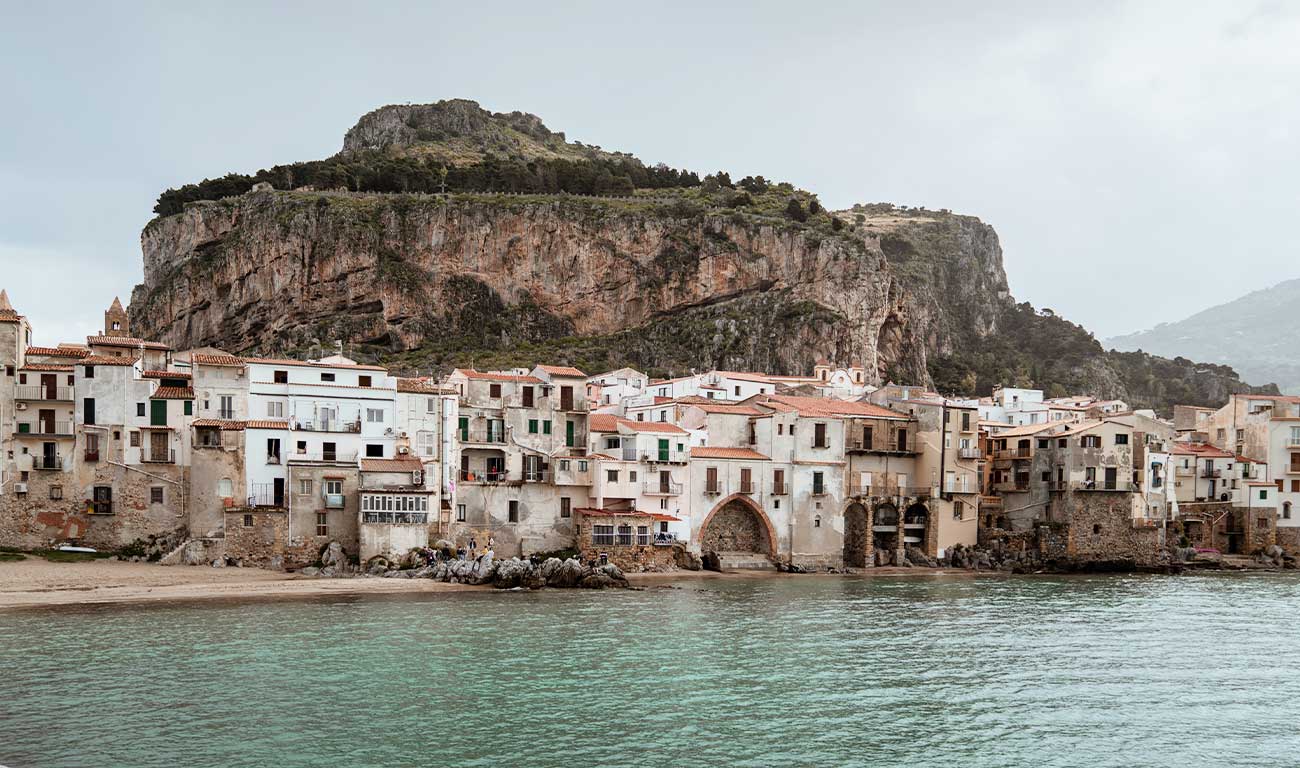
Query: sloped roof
column 312, row 364
column 125, row 341
column 52, row 367
column 106, row 360
column 164, row 375
column 1025, row 430
column 1204, row 450
column 760, row 378
column 267, row 424
column 228, row 361
column 602, row 422
column 652, row 426
column 227, row 424
column 173, row 393
column 419, row 386
column 721, row 452
column 58, row 351
column 470, row 373
column 563, row 370
column 740, row 410
column 828, row 407
column 391, row 465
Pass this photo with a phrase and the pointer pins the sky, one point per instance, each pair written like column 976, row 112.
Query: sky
column 1138, row 159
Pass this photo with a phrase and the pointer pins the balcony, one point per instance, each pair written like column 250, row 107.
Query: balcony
column 970, row 453
column 1184, row 472
column 537, row 476
column 908, row 446
column 334, row 501
column 395, row 518
column 1122, row 486
column 226, row 414
column 660, row 488
column 47, row 462
column 780, row 489
column 91, row 456
column 714, row 489
column 1014, row 453
column 749, row 489
column 40, row 392
column 488, row 476
column 655, row 457
column 1011, row 487
column 321, row 457
column 159, row 457
column 44, row 429
column 664, row 539
column 483, row 436
column 1211, row 473
column 265, row 495
column 351, row 426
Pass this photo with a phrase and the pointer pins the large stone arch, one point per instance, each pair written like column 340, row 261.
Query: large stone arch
column 857, row 536
column 738, row 525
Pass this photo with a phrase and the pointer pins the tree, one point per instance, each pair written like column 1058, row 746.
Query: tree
column 814, row 207
column 795, row 211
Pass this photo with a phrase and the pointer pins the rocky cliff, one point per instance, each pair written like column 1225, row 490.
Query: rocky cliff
column 660, row 269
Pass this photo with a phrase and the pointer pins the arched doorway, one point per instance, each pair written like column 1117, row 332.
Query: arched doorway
column 857, row 537
column 737, row 525
column 884, row 533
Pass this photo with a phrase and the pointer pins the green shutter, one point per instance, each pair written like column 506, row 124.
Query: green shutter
column 568, row 433
column 663, row 449
column 532, row 426
column 158, row 413
column 546, row 427
column 464, row 429
column 189, row 407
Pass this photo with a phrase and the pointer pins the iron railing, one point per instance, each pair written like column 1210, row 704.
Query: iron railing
column 395, row 518
column 42, row 392
column 660, row 488
column 47, row 462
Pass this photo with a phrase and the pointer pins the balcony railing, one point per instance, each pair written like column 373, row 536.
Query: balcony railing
column 537, row 476
column 1011, row 486
column 474, row 476
column 334, row 501
column 45, row 428
column 159, row 457
column 482, row 436
column 352, row 426
column 99, row 507
column 1014, row 453
column 396, row 518
column 1211, row 473
column 780, row 489
column 47, row 462
column 664, row 539
column 264, row 495
column 42, row 392
column 324, row 457
column 882, row 445
column 970, row 453
column 749, row 489
column 660, row 488
column 225, row 414
column 1102, row 485
column 715, row 489
column 91, row 456
column 655, row 457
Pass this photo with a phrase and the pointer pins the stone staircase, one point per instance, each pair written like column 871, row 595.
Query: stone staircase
column 745, row 561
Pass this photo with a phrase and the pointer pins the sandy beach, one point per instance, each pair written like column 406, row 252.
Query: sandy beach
column 35, row 582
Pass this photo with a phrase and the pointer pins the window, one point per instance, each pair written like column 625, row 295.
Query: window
column 564, row 465
column 302, row 446
column 375, row 415
column 226, row 407
column 275, row 409
column 428, row 404
column 819, row 436
column 711, row 480
column 527, row 393
column 225, row 488
column 611, row 475
column 546, row 427
column 363, row 381
column 1090, row 441
column 512, row 514
column 817, row 521
column 135, row 439
column 272, row 450
column 532, row 426
column 248, row 521
column 566, row 509
column 460, row 513
column 1263, row 494
column 1121, row 439
column 156, row 494
column 625, row 535
column 322, row 524
column 631, row 476
column 374, row 451
column 189, row 408
column 304, row 487
column 818, row 484
column 1286, row 510
column 602, row 535
column 139, row 409
column 582, row 466
column 88, row 410
column 494, row 391
column 56, row 492
column 333, row 487
column 1042, row 442
column 327, row 377
column 643, row 535
column 90, row 371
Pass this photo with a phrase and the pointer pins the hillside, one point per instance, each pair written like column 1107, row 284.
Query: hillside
column 541, row 248
column 1255, row 334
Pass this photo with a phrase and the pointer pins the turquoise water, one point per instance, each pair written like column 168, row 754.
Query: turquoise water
column 944, row 671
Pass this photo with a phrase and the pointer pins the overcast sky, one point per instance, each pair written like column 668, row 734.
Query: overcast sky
column 1139, row 160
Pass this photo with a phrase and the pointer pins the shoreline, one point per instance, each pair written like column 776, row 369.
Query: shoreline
column 34, row 583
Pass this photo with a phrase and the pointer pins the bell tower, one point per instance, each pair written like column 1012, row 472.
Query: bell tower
column 116, row 322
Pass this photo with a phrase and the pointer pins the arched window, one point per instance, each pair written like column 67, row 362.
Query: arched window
column 817, row 521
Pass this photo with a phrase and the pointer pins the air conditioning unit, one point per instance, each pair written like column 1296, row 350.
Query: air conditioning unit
column 20, row 487
column 20, row 406
column 389, row 431
column 403, row 450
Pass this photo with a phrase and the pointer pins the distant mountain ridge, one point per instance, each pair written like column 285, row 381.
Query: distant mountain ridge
column 1257, row 334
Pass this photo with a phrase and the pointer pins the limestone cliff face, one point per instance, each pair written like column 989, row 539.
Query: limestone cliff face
column 587, row 279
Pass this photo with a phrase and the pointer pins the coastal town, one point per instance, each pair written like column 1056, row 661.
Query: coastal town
column 216, row 458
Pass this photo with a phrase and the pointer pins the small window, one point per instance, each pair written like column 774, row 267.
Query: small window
column 460, row 513
column 156, row 494
column 90, row 371
column 564, row 465
column 56, row 491
column 513, row 513
column 582, row 466
column 1096, row 528
column 333, row 487
column 532, row 426
column 139, row 409
column 363, row 381
column 375, row 415
column 189, row 407
column 374, row 451
column 1121, row 439
column 566, row 509
column 248, row 521
column 135, row 439
column 546, row 427
column 494, row 391
column 817, row 521
column 304, row 487
column 631, row 476
column 326, row 377
column 280, row 377
column 302, row 446
column 322, row 524
column 1263, row 494
column 611, row 475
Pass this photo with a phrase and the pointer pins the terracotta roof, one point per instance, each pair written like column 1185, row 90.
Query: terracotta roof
column 720, row 452
column 106, row 360
column 745, row 376
column 47, row 367
column 742, row 410
column 391, row 465
column 420, row 386
column 470, row 373
column 596, row 512
column 563, row 370
column 229, row 361
column 226, row 424
column 58, row 351
column 602, row 422
column 1201, row 449
column 10, row 316
column 266, row 424
column 1260, row 483
column 1026, row 429
column 661, row 517
column 652, row 426
column 164, row 375
column 172, row 393
column 829, row 407
column 124, row 341
column 311, row 364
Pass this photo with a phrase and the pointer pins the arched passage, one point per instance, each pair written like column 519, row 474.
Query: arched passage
column 737, row 524
column 915, row 522
column 857, row 536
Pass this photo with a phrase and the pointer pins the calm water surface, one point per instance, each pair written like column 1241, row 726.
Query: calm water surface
column 946, row 671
